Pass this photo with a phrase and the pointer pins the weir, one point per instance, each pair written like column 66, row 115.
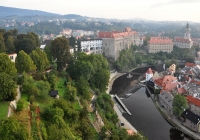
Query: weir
column 120, row 102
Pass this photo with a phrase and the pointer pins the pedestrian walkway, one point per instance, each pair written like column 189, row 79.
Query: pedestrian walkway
column 13, row 104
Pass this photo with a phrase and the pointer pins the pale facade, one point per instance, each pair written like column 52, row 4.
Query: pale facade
column 114, row 42
column 12, row 57
column 92, row 46
column 157, row 44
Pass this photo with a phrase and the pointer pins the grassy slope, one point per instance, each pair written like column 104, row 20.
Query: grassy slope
column 4, row 109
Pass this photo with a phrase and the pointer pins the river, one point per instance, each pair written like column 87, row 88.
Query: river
column 145, row 117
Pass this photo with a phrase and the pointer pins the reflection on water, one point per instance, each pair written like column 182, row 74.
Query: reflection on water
column 145, row 117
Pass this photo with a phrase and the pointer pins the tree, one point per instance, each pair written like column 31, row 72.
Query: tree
column 7, row 87
column 26, row 44
column 6, row 65
column 179, row 104
column 20, row 105
column 40, row 59
column 52, row 79
column 139, row 59
column 10, row 47
column 24, row 63
column 11, row 129
column 2, row 44
column 60, row 52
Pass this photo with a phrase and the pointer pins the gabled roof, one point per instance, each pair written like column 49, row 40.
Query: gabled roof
column 166, row 97
column 190, row 64
column 53, row 93
column 182, row 40
column 164, row 80
column 160, row 40
column 191, row 116
column 193, row 100
column 170, row 86
column 12, row 54
column 181, row 90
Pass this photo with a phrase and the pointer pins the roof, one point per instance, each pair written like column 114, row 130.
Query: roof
column 166, row 97
column 193, row 100
column 117, row 34
column 164, row 80
column 160, row 40
column 182, row 40
column 130, row 132
column 191, row 116
column 12, row 54
column 190, row 64
column 53, row 93
column 181, row 90
column 149, row 71
column 170, row 86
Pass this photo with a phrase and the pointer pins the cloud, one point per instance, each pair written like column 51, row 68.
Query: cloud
column 174, row 2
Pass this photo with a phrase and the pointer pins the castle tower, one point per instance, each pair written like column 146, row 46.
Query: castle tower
column 149, row 74
column 187, row 32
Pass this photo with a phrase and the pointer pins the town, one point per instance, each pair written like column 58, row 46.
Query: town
column 57, row 73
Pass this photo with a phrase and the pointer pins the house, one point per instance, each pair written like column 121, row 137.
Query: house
column 191, row 120
column 12, row 56
column 193, row 90
column 189, row 64
column 194, row 104
column 166, row 100
column 54, row 94
column 149, row 74
column 157, row 44
column 160, row 82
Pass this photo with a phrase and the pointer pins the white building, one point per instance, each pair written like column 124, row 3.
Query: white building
column 92, row 46
column 185, row 42
column 149, row 74
column 157, row 44
column 12, row 56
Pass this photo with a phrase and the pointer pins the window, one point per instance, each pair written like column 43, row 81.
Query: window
column 11, row 57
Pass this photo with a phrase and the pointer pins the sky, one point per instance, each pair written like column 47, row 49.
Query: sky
column 159, row 10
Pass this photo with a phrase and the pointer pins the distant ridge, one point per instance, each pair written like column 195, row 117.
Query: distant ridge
column 10, row 11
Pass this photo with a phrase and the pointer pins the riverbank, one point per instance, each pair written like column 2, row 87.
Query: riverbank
column 126, row 125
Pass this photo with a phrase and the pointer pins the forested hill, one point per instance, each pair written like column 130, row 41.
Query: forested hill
column 9, row 11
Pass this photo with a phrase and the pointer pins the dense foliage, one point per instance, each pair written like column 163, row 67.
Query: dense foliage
column 179, row 104
column 91, row 68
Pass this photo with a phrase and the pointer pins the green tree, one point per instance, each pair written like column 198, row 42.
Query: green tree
column 20, row 105
column 60, row 52
column 7, row 87
column 48, row 53
column 139, row 59
column 11, row 129
column 6, row 65
column 40, row 59
column 52, row 79
column 10, row 47
column 24, row 63
column 26, row 44
column 2, row 44
column 179, row 104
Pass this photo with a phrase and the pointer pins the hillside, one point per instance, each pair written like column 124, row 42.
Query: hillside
column 9, row 11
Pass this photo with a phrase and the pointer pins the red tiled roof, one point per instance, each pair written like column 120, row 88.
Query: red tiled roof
column 160, row 40
column 181, row 90
column 164, row 80
column 194, row 101
column 169, row 86
column 190, row 64
column 149, row 71
column 183, row 40
column 117, row 34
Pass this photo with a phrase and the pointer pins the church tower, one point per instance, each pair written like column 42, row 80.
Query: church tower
column 187, row 33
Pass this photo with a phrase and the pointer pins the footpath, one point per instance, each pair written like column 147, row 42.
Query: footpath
column 126, row 124
column 13, row 104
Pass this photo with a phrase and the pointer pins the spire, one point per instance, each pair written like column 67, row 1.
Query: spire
column 188, row 26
